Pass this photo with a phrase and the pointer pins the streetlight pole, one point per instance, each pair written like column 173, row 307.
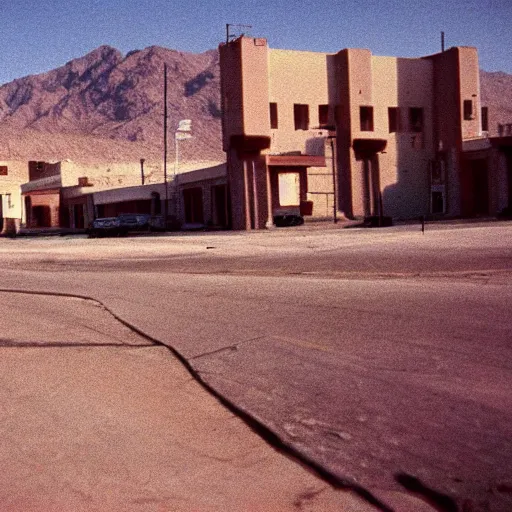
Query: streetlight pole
column 166, row 204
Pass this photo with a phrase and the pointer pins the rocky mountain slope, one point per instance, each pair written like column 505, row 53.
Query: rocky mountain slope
column 106, row 106
column 109, row 107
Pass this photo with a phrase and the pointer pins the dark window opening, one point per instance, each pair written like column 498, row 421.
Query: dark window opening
column 273, row 115
column 4, row 170
column 323, row 115
column 394, row 119
column 485, row 119
column 416, row 119
column 468, row 110
column 366, row 118
column 301, row 116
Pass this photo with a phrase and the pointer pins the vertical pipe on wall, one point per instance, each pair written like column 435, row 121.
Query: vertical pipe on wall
column 270, row 217
column 247, row 201
column 256, row 216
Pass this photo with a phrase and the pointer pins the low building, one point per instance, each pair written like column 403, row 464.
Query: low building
column 350, row 133
column 486, row 176
column 70, row 195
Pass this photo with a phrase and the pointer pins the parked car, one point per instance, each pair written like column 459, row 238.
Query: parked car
column 133, row 222
column 284, row 219
column 104, row 226
column 157, row 223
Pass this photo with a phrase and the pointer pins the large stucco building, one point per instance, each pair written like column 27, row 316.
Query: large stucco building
column 397, row 127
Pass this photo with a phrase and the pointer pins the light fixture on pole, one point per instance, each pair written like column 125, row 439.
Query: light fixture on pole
column 182, row 133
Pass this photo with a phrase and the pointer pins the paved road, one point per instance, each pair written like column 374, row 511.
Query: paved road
column 375, row 353
column 95, row 418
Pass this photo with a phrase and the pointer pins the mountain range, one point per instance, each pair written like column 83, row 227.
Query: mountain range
column 108, row 107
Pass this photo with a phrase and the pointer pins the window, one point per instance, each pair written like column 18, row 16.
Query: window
column 3, row 170
column 468, row 110
column 485, row 119
column 366, row 118
column 323, row 115
column 273, row 115
column 393, row 119
column 416, row 119
column 301, row 116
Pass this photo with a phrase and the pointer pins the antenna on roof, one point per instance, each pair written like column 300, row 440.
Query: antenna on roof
column 442, row 41
column 235, row 30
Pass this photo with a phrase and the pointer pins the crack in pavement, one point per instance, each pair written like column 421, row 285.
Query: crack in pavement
column 228, row 347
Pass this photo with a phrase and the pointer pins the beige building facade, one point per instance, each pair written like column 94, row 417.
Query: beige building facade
column 396, row 127
column 71, row 195
column 12, row 175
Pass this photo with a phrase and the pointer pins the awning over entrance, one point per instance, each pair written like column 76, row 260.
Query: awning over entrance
column 296, row 160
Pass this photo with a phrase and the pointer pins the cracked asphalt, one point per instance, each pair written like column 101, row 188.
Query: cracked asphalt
column 95, row 418
column 381, row 356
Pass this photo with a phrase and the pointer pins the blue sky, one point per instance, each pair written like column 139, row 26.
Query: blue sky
column 39, row 35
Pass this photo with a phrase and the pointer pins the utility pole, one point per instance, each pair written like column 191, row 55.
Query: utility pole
column 166, row 204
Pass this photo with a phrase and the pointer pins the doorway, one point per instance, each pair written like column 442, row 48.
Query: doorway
column 193, row 203
column 41, row 216
column 220, row 205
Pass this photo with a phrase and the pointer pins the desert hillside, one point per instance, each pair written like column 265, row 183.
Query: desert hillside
column 104, row 106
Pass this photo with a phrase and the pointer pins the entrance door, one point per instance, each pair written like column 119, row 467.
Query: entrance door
column 79, row 216
column 193, row 202
column 480, row 188
column 220, row 205
column 41, row 216
column 372, row 199
column 289, row 188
